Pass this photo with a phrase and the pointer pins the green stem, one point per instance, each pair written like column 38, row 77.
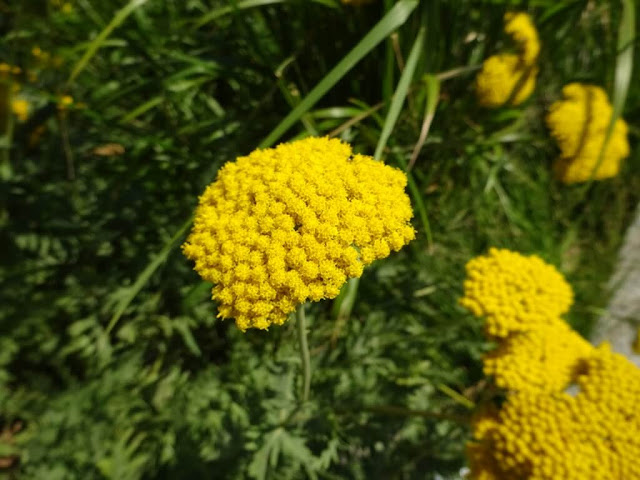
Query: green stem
column 304, row 353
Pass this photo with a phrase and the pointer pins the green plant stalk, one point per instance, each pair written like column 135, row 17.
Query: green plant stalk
column 389, row 23
column 401, row 93
column 117, row 20
column 305, row 358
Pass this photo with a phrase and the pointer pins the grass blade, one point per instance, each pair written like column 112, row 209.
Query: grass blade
column 401, row 92
column 115, row 22
column 432, row 84
column 390, row 22
column 146, row 274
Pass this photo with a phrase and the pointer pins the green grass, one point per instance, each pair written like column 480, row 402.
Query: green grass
column 112, row 363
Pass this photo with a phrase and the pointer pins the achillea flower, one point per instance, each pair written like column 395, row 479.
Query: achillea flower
column 20, row 109
column 546, row 359
column 511, row 78
column 504, row 79
column 292, row 223
column 514, row 293
column 520, row 28
column 579, row 125
column 592, row 435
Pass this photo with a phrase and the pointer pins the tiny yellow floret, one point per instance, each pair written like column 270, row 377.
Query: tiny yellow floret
column 514, row 293
column 289, row 224
column 579, row 125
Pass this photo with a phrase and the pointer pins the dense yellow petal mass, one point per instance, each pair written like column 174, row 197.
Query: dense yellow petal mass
column 546, row 359
column 590, row 435
column 289, row 224
column 514, row 293
column 521, row 29
column 503, row 79
column 511, row 78
column 579, row 124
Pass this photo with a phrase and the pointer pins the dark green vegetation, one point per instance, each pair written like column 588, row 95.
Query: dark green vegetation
column 108, row 374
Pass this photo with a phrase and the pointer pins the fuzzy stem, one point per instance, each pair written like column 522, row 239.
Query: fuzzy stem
column 304, row 353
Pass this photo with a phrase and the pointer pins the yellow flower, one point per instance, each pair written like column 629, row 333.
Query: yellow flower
column 513, row 292
column 20, row 109
column 520, row 28
column 579, row 125
column 290, row 224
column 503, row 79
column 546, row 359
column 65, row 102
column 511, row 78
column 590, row 435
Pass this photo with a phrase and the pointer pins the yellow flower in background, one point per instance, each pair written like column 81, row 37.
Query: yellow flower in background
column 546, row 359
column 504, row 79
column 289, row 224
column 511, row 78
column 514, row 292
column 579, row 125
column 521, row 29
column 590, row 435
column 64, row 102
column 20, row 109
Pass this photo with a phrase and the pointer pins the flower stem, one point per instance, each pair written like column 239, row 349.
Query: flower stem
column 304, row 353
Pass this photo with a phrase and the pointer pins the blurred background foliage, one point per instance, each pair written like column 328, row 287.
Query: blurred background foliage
column 105, row 373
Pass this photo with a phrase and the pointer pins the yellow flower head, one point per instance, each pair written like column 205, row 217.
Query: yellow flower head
column 520, row 28
column 545, row 359
column 287, row 224
column 513, row 292
column 592, row 435
column 20, row 109
column 579, row 125
column 503, row 79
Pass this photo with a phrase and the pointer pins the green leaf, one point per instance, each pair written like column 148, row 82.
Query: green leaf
column 390, row 22
column 115, row 22
column 401, row 92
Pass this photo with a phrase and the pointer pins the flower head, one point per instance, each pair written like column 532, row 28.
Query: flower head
column 292, row 223
column 20, row 108
column 546, row 359
column 579, row 125
column 591, row 435
column 514, row 292
column 521, row 29
column 511, row 78
column 503, row 79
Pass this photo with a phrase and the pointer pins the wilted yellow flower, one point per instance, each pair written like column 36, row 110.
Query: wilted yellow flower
column 545, row 359
column 292, row 223
column 503, row 79
column 20, row 108
column 579, row 125
column 513, row 292
column 520, row 28
column 592, row 435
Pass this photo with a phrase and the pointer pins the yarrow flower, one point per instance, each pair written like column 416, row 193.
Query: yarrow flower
column 510, row 77
column 590, row 435
column 545, row 359
column 289, row 224
column 20, row 108
column 579, row 125
column 513, row 292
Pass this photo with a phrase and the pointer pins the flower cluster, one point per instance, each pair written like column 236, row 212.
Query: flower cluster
column 541, row 430
column 544, row 359
column 506, row 77
column 292, row 223
column 592, row 435
column 579, row 125
column 513, row 292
